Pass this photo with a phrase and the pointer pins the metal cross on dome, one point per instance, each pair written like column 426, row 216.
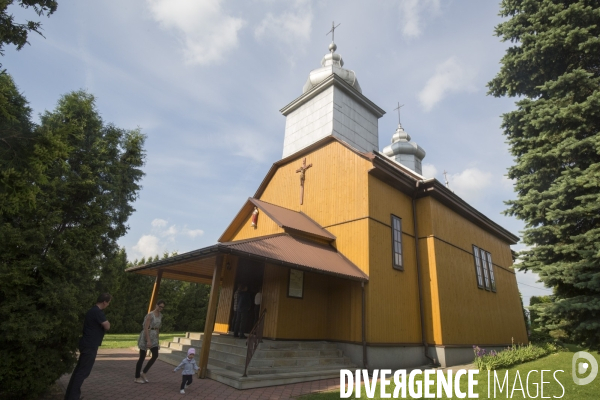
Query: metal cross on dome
column 398, row 108
column 332, row 31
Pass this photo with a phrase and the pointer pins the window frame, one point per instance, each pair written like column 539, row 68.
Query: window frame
column 486, row 270
column 491, row 267
column 478, row 268
column 399, row 267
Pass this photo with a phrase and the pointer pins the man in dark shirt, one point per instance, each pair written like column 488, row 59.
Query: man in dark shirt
column 94, row 326
column 244, row 303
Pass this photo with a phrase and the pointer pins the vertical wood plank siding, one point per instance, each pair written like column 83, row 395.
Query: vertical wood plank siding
column 226, row 296
column 468, row 314
column 340, row 195
column 335, row 192
column 272, row 281
column 265, row 226
column 392, row 295
column 335, row 189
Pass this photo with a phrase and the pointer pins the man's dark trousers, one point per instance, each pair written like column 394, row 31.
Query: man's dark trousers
column 241, row 319
column 87, row 357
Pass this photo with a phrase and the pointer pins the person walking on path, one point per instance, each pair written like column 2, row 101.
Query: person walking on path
column 149, row 340
column 189, row 367
column 94, row 326
column 244, row 304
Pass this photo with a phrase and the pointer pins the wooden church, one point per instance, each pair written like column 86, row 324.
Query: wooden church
column 355, row 248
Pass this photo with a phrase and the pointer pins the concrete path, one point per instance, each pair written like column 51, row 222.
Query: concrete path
column 114, row 370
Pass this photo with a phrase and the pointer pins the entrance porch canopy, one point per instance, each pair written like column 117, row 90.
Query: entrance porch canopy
column 280, row 249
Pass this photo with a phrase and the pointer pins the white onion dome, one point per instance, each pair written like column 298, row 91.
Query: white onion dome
column 405, row 152
column 331, row 63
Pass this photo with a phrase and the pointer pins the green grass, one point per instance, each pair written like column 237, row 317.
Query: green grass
column 553, row 362
column 126, row 340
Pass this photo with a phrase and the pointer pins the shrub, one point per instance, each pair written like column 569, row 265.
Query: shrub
column 515, row 354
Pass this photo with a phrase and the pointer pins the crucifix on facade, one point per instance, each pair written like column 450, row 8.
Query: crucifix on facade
column 302, row 171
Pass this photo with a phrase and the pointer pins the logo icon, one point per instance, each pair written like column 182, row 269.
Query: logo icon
column 582, row 367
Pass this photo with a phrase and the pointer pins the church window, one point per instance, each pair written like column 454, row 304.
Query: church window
column 478, row 269
column 486, row 274
column 491, row 267
column 397, row 243
column 484, row 269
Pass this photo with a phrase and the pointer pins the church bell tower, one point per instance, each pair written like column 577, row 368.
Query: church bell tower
column 331, row 104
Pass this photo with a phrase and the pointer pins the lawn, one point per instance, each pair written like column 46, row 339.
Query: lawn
column 559, row 361
column 125, row 340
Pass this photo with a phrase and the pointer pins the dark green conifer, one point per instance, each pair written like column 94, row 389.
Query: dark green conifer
column 553, row 67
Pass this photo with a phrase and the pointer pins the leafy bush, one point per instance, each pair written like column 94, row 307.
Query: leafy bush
column 515, row 354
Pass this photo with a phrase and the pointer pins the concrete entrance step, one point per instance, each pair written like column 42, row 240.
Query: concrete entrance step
column 274, row 362
column 234, row 379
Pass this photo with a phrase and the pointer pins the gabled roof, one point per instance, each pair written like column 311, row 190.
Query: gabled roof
column 279, row 249
column 299, row 253
column 404, row 179
column 289, row 220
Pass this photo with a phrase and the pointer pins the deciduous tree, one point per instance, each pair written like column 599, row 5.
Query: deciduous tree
column 66, row 190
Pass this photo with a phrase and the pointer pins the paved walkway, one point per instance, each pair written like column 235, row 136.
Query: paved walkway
column 114, row 370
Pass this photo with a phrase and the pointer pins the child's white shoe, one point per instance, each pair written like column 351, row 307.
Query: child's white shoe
column 182, row 391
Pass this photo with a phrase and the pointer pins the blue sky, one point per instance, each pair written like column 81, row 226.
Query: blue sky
column 204, row 80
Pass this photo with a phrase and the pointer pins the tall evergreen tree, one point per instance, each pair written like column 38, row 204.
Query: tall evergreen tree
column 553, row 66
column 66, row 189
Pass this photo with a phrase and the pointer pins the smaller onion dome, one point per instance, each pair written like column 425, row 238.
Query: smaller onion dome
column 405, row 152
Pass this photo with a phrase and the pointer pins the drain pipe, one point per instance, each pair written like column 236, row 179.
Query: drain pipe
column 423, row 337
column 364, row 335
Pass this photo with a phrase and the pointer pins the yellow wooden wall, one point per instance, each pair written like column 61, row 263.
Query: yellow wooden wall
column 469, row 315
column 455, row 310
column 392, row 295
column 344, row 310
column 354, row 206
column 336, row 197
column 307, row 317
column 264, row 226
column 334, row 188
column 226, row 296
column 272, row 280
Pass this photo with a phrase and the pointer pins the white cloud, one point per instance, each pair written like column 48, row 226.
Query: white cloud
column 471, row 183
column 206, row 31
column 429, row 170
column 159, row 223
column 450, row 76
column 290, row 27
column 163, row 237
column 171, row 231
column 412, row 12
column 192, row 232
column 148, row 246
column 248, row 143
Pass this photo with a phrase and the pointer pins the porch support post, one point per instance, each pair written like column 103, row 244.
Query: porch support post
column 154, row 297
column 211, row 315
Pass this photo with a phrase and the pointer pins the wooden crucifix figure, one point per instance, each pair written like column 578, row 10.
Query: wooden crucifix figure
column 302, row 171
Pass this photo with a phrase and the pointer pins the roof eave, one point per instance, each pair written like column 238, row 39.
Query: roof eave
column 405, row 180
